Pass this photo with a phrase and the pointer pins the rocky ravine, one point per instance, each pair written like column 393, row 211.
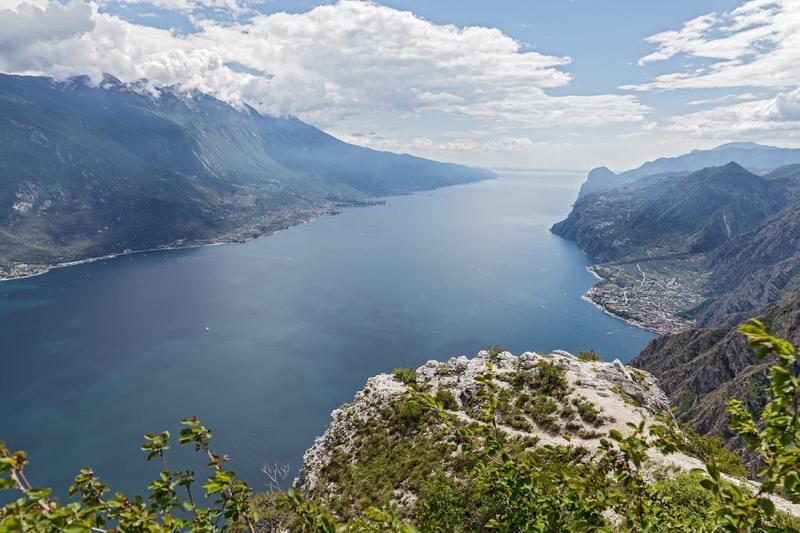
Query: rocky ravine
column 364, row 436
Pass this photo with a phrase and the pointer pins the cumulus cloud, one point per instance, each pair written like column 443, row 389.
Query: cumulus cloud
column 777, row 117
column 334, row 60
column 190, row 6
column 755, row 45
column 27, row 25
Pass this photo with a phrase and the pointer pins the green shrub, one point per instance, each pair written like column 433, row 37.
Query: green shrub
column 494, row 351
column 550, row 379
column 588, row 412
column 446, row 399
column 406, row 375
column 408, row 411
column 627, row 398
column 542, row 410
column 710, row 449
column 591, row 355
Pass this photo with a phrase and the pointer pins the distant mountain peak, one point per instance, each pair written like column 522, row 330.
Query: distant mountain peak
column 731, row 166
column 600, row 173
column 740, row 145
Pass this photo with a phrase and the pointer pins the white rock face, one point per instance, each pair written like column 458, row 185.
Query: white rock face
column 345, row 421
column 622, row 395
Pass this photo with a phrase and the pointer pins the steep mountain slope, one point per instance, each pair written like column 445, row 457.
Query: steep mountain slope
column 754, row 269
column 689, row 214
column 92, row 170
column 756, row 157
column 702, row 369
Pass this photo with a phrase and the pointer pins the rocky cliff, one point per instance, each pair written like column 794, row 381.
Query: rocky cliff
column 378, row 447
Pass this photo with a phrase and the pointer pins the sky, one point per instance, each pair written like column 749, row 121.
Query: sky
column 566, row 84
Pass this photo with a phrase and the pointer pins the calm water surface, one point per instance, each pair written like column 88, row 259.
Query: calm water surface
column 94, row 356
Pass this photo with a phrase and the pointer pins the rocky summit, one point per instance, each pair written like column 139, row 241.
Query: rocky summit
column 553, row 399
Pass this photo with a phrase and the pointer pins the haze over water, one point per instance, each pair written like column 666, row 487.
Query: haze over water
column 96, row 355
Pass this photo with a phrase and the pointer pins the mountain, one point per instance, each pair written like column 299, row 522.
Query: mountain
column 701, row 369
column 88, row 170
column 754, row 269
column 710, row 248
column 679, row 215
column 757, row 158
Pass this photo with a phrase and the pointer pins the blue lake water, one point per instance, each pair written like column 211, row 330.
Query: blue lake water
column 94, row 356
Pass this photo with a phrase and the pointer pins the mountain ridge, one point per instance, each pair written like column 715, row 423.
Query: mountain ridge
column 91, row 170
column 757, row 158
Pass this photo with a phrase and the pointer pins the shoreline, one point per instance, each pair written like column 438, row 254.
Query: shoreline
column 332, row 210
column 630, row 321
column 48, row 268
column 167, row 247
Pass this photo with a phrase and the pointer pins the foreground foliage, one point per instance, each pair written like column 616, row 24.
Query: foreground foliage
column 502, row 484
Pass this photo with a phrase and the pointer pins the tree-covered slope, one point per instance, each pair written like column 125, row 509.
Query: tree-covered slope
column 89, row 170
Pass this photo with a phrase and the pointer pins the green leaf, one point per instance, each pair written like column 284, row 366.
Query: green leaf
column 767, row 506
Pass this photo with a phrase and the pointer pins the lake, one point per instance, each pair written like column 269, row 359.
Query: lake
column 96, row 355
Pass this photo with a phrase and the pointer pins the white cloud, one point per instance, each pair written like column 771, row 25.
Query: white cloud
column 335, row 60
column 755, row 45
column 771, row 118
column 722, row 99
column 27, row 25
column 501, row 144
column 189, row 6
column 688, row 39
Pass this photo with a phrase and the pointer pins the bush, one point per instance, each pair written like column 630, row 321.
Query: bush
column 550, row 379
column 406, row 375
column 494, row 351
column 446, row 399
column 588, row 412
column 591, row 355
column 710, row 449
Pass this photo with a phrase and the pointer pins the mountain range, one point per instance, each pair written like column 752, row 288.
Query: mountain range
column 709, row 248
column 88, row 170
column 757, row 158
